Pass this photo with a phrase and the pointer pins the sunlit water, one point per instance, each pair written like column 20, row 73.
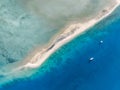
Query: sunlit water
column 69, row 67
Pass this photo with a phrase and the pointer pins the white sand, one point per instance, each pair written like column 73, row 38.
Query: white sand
column 73, row 31
column 70, row 33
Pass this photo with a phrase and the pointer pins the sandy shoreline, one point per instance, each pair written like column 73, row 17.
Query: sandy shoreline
column 70, row 33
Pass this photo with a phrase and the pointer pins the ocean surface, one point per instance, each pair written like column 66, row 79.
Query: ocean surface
column 69, row 67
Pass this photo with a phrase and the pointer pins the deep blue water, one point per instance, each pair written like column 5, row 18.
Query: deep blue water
column 69, row 67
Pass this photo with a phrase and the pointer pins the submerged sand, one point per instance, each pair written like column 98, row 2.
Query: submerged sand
column 67, row 35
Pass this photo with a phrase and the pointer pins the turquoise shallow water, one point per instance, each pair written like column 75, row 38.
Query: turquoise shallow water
column 69, row 67
column 19, row 32
column 28, row 24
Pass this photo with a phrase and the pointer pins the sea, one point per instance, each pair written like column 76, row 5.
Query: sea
column 70, row 67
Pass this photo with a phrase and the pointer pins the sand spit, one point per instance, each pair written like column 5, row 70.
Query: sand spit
column 70, row 33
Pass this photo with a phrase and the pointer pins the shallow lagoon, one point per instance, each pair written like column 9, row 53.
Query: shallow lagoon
column 25, row 25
